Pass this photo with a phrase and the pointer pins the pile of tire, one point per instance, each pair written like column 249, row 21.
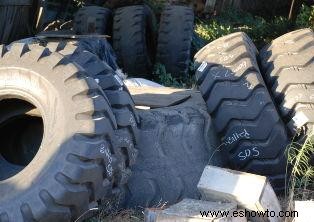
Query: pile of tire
column 258, row 119
column 136, row 40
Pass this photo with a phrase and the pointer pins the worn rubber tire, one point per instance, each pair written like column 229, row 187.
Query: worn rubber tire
column 175, row 39
column 15, row 20
column 75, row 164
column 176, row 143
column 93, row 20
column 134, row 39
column 253, row 135
column 121, row 102
column 288, row 66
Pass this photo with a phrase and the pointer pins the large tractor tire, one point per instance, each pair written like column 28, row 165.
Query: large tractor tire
column 121, row 102
column 134, row 39
column 93, row 20
column 15, row 20
column 253, row 135
column 72, row 162
column 288, row 67
column 175, row 40
column 175, row 145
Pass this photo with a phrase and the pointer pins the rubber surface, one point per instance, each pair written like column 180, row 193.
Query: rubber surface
column 93, row 19
column 75, row 164
column 134, row 39
column 253, row 135
column 175, row 145
column 175, row 39
column 121, row 102
column 15, row 17
column 119, row 98
column 288, row 66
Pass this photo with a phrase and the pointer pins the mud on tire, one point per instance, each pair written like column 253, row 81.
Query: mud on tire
column 288, row 66
column 253, row 135
column 74, row 163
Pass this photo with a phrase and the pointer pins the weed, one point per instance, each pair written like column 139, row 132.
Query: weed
column 305, row 17
column 166, row 79
column 301, row 183
column 260, row 30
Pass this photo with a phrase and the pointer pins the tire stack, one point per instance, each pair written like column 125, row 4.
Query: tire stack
column 257, row 120
column 134, row 36
column 253, row 134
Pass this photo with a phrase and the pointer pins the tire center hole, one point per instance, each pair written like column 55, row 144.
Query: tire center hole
column 21, row 134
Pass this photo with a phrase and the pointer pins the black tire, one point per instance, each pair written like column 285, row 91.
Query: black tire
column 134, row 39
column 74, row 164
column 121, row 102
column 243, row 112
column 175, row 145
column 288, row 67
column 175, row 40
column 15, row 20
column 93, row 20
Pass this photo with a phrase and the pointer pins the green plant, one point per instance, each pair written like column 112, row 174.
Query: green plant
column 301, row 183
column 306, row 17
column 212, row 30
column 161, row 76
column 259, row 29
column 166, row 79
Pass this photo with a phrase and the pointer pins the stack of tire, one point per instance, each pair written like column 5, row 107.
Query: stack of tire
column 135, row 39
column 257, row 119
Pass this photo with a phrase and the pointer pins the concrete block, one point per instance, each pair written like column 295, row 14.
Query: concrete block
column 250, row 191
column 189, row 210
column 304, row 210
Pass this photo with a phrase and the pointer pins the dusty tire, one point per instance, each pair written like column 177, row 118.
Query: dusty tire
column 253, row 135
column 121, row 102
column 134, row 39
column 93, row 19
column 74, row 164
column 175, row 145
column 15, row 20
column 288, row 67
column 175, row 40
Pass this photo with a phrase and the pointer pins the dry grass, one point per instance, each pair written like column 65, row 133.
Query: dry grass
column 122, row 216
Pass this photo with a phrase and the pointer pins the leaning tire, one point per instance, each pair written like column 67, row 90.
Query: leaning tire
column 93, row 19
column 74, row 164
column 288, row 67
column 121, row 102
column 134, row 39
column 175, row 40
column 253, row 135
